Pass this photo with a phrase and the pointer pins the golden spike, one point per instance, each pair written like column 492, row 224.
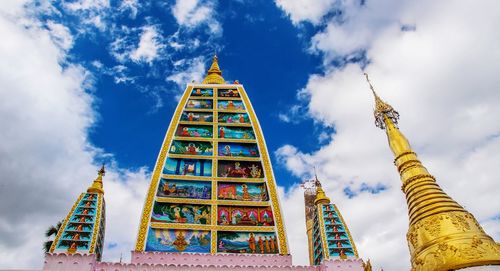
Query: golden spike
column 382, row 108
column 442, row 235
column 96, row 186
column 214, row 75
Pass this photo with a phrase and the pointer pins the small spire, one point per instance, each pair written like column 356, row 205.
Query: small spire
column 382, row 109
column 321, row 197
column 96, row 186
column 214, row 75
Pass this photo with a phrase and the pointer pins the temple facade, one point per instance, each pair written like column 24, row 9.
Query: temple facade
column 212, row 203
column 82, row 230
column 327, row 232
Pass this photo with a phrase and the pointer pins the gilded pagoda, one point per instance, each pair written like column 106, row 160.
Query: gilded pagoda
column 442, row 234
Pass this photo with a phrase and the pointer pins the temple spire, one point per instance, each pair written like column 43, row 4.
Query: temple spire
column 442, row 235
column 214, row 75
column 321, row 197
column 96, row 186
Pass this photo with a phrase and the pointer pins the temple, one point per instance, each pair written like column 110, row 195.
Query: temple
column 327, row 233
column 82, row 230
column 442, row 235
column 213, row 204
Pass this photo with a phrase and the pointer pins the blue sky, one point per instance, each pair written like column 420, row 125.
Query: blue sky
column 91, row 81
column 258, row 45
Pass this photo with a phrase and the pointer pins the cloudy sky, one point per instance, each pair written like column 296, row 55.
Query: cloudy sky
column 90, row 81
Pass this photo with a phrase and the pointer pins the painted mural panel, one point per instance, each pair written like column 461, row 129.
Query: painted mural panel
column 181, row 213
column 191, row 167
column 79, row 227
column 239, row 169
column 168, row 240
column 244, row 216
column 247, row 242
column 194, row 131
column 191, row 147
column 199, row 104
column 242, row 191
column 197, row 116
column 184, row 189
column 230, row 105
column 228, row 93
column 236, row 132
column 233, row 118
column 202, row 92
column 238, row 149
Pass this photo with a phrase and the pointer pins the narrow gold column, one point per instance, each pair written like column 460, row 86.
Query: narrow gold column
column 442, row 235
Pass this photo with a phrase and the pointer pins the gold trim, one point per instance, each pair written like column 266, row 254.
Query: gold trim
column 246, row 228
column 183, row 138
column 178, row 226
column 322, row 231
column 207, row 123
column 228, row 98
column 65, row 223
column 97, row 223
column 238, row 158
column 233, row 124
column 186, row 177
column 183, row 200
column 222, row 202
column 155, row 179
column 201, row 97
column 187, row 156
column 231, row 140
column 240, row 180
column 346, row 230
column 197, row 110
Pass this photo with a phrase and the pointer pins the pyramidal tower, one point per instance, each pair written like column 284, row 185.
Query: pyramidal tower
column 212, row 190
column 327, row 232
column 442, row 235
column 82, row 231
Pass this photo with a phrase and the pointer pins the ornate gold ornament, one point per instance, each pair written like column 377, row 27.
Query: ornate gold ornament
column 442, row 235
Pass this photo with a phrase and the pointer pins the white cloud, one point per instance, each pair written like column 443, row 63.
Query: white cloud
column 442, row 78
column 61, row 35
column 304, row 10
column 129, row 5
column 194, row 13
column 46, row 159
column 148, row 47
column 188, row 70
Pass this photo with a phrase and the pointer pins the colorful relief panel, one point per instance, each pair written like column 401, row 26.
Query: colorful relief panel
column 181, row 213
column 168, row 240
column 202, row 92
column 244, row 216
column 191, row 147
column 197, row 116
column 184, row 189
column 228, row 93
column 192, row 167
column 230, row 105
column 233, row 118
column 242, row 191
column 199, row 104
column 247, row 242
column 85, row 211
column 79, row 227
column 238, row 149
column 194, row 131
column 239, row 169
column 73, row 245
column 236, row 132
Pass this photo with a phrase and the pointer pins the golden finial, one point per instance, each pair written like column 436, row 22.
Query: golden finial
column 214, row 75
column 96, row 186
column 382, row 109
column 321, row 197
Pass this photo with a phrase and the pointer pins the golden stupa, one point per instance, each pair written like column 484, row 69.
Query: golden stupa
column 214, row 75
column 442, row 235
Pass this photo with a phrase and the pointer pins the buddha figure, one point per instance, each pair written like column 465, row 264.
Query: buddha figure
column 251, row 243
